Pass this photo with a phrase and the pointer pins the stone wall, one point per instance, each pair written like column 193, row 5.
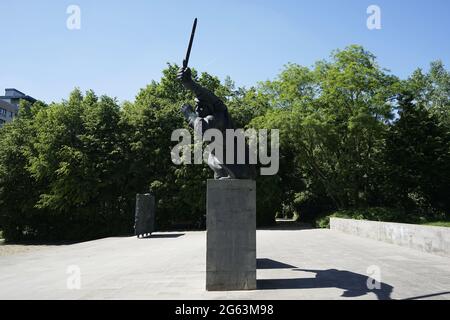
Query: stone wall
column 435, row 240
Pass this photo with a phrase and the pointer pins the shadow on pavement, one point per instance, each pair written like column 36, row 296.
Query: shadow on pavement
column 288, row 225
column 168, row 236
column 272, row 264
column 428, row 296
column 40, row 243
column 353, row 284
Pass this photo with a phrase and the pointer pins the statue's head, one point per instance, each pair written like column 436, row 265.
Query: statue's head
column 203, row 109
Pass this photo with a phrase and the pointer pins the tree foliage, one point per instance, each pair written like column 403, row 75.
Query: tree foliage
column 332, row 120
column 352, row 137
column 418, row 159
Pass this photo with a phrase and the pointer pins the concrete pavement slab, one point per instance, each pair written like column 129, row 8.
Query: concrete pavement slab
column 292, row 264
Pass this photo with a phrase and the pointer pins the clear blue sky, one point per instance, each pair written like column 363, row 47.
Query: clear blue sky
column 123, row 45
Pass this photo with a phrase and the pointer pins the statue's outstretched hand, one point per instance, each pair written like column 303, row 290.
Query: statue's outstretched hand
column 185, row 75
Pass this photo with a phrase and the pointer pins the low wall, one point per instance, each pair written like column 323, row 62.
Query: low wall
column 435, row 240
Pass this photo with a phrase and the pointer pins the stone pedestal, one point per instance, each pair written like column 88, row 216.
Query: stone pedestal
column 145, row 215
column 231, row 235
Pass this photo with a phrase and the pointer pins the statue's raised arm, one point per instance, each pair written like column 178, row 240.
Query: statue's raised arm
column 211, row 113
column 203, row 94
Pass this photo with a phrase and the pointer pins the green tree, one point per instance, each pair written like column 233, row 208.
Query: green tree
column 18, row 189
column 432, row 90
column 332, row 120
column 418, row 158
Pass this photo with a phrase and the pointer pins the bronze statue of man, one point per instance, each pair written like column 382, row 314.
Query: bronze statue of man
column 210, row 112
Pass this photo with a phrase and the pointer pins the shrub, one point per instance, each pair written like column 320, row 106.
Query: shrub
column 373, row 214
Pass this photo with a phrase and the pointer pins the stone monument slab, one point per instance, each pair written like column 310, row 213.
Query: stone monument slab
column 231, row 235
column 145, row 214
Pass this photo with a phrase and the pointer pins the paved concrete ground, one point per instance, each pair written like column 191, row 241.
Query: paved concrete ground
column 293, row 264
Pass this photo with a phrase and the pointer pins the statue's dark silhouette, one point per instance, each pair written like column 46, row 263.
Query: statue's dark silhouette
column 210, row 112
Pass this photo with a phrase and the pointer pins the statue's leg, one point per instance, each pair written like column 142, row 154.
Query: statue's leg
column 220, row 174
column 229, row 173
column 220, row 171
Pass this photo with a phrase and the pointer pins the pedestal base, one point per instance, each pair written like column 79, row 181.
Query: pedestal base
column 231, row 235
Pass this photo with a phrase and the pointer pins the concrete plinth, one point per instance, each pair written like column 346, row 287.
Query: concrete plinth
column 231, row 235
column 145, row 214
